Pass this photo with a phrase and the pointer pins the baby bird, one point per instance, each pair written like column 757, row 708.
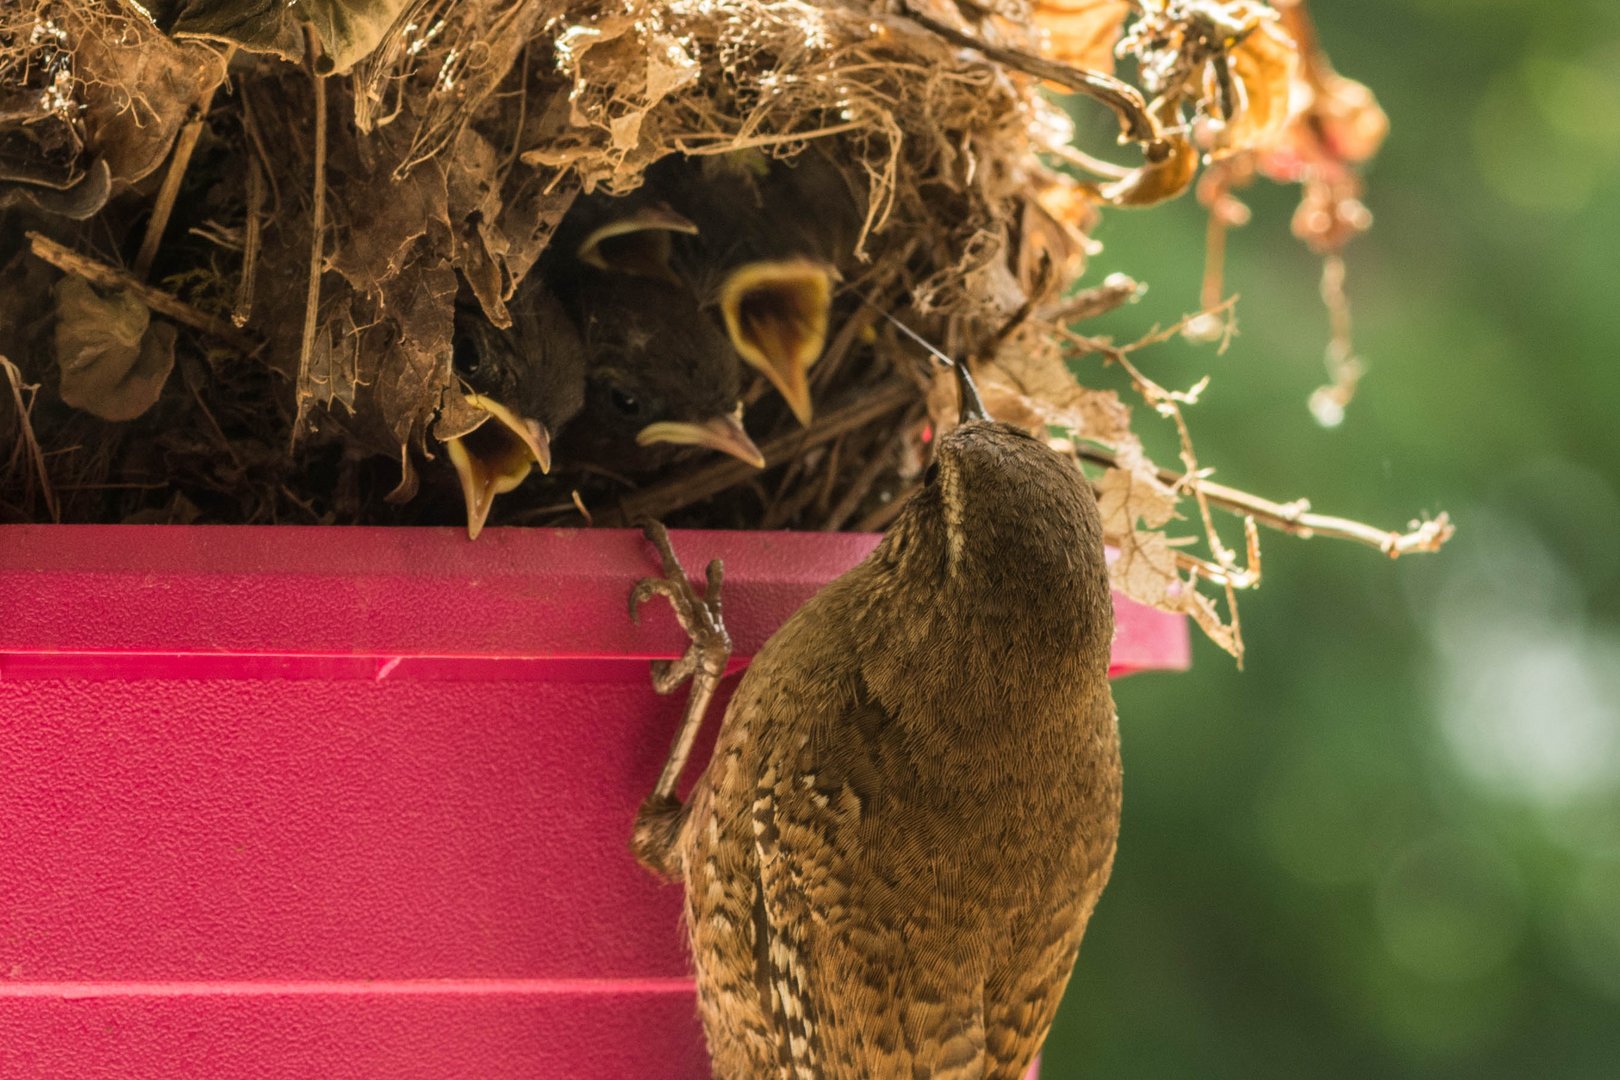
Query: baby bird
column 660, row 376
column 529, row 380
column 771, row 239
column 913, row 802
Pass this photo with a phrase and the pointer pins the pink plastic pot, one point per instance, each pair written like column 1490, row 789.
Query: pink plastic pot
column 334, row 803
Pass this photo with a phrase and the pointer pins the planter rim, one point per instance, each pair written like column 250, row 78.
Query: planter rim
column 155, row 601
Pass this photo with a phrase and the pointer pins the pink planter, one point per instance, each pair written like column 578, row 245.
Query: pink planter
column 334, row 803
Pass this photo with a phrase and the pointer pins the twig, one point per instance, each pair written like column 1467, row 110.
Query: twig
column 242, row 309
column 317, row 228
column 1295, row 518
column 164, row 205
column 1344, row 369
column 1115, row 291
column 164, row 303
column 1135, row 120
column 859, row 488
column 29, row 442
column 681, row 491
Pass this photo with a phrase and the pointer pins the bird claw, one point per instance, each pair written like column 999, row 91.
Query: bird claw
column 704, row 662
column 698, row 613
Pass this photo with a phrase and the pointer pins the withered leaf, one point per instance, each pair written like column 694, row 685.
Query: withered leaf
column 1029, row 377
column 137, row 88
column 1155, row 181
column 1184, row 598
column 113, row 358
column 387, row 224
column 474, row 206
column 82, row 200
column 1267, row 68
column 1145, row 568
column 1124, row 495
column 1082, row 33
column 348, row 29
column 413, row 375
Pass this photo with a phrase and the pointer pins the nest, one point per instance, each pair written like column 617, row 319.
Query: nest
column 235, row 244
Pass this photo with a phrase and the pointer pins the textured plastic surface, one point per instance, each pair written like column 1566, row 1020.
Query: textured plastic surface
column 336, row 803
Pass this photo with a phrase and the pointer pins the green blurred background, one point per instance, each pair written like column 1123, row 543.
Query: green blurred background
column 1391, row 846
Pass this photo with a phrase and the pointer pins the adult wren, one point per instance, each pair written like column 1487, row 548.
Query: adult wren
column 913, row 802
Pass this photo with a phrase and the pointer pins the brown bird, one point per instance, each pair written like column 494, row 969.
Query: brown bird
column 660, row 376
column 913, row 802
column 528, row 379
column 770, row 239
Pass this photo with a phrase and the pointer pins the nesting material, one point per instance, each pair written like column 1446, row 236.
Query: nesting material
column 235, row 242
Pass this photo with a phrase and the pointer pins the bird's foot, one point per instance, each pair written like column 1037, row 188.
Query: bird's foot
column 698, row 613
column 658, row 822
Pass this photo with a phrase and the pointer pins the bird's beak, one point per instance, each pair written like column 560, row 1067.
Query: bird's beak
column 495, row 457
column 776, row 314
column 972, row 404
column 723, row 433
column 638, row 243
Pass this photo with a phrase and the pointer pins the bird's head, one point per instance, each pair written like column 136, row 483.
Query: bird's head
column 516, row 387
column 1001, row 511
column 660, row 377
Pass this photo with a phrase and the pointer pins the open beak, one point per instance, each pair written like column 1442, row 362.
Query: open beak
column 722, row 433
column 496, row 457
column 638, row 243
column 776, row 314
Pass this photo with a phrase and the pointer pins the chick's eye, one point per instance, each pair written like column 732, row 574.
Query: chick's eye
column 625, row 403
column 465, row 355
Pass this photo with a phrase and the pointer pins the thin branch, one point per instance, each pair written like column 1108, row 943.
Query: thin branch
column 317, row 229
column 28, row 443
column 1126, row 102
column 859, row 488
column 1115, row 291
column 242, row 308
column 164, row 303
column 181, row 159
column 1295, row 518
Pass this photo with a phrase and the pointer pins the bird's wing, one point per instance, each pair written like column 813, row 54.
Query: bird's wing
column 723, row 910
column 868, row 974
column 1022, row 999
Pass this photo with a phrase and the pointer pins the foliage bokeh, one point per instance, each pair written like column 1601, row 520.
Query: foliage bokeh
column 1391, row 846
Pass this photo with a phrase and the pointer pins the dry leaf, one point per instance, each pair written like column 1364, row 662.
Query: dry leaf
column 473, row 207
column 1184, row 598
column 83, row 199
column 1081, row 33
column 348, row 29
column 1266, row 68
column 1125, row 495
column 114, row 360
column 1155, row 181
column 1145, row 567
column 137, row 88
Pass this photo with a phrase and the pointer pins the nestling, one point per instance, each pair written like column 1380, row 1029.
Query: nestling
column 625, row 361
column 660, row 375
column 913, row 802
column 770, row 239
column 529, row 379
